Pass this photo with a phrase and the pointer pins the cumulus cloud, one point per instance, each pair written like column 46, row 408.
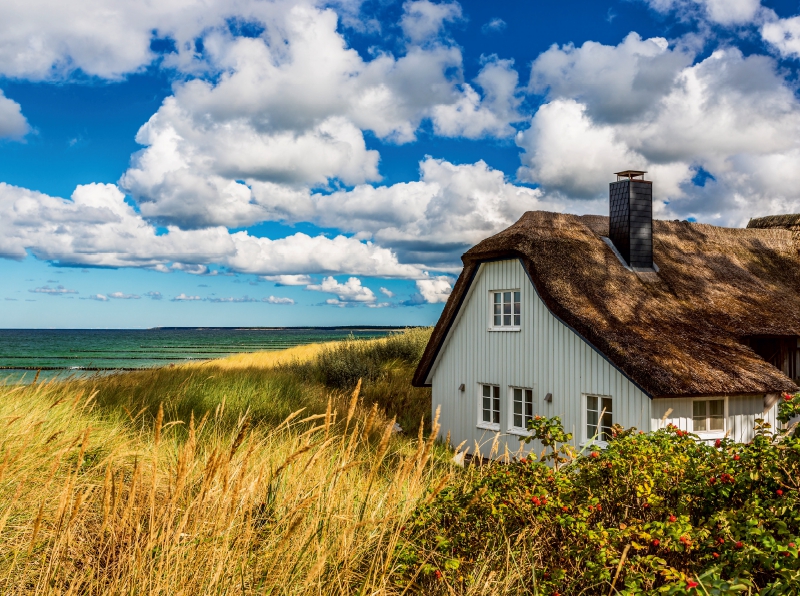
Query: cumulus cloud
column 185, row 298
column 99, row 297
column 123, row 296
column 735, row 117
column 57, row 291
column 783, row 35
column 287, row 116
column 387, row 292
column 278, row 300
column 350, row 292
column 721, row 12
column 423, row 20
column 97, row 227
column 154, row 295
column 436, row 289
column 12, row 123
column 288, row 280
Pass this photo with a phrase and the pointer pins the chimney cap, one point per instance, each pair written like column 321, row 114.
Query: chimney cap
column 631, row 174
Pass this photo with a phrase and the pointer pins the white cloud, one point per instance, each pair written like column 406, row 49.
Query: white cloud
column 122, row 296
column 185, row 298
column 278, row 300
column 436, row 289
column 734, row 116
column 287, row 116
column 783, row 35
column 154, row 295
column 616, row 83
column 99, row 297
column 494, row 25
column 288, row 280
column 349, row 292
column 98, row 228
column 232, row 299
column 12, row 123
column 387, row 292
column 57, row 291
column 722, row 12
column 423, row 20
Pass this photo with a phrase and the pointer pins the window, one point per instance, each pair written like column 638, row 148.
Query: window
column 595, row 406
column 490, row 407
column 521, row 408
column 708, row 415
column 505, row 309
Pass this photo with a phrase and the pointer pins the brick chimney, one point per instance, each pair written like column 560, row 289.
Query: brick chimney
column 630, row 225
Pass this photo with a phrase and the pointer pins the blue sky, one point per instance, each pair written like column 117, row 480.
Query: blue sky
column 309, row 163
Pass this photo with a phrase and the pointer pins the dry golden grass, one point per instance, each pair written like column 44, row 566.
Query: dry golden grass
column 98, row 501
column 265, row 359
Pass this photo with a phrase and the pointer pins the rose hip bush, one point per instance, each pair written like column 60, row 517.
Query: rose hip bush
column 656, row 513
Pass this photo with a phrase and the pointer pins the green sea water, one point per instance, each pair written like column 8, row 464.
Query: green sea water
column 80, row 352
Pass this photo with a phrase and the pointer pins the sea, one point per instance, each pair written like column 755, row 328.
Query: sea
column 64, row 353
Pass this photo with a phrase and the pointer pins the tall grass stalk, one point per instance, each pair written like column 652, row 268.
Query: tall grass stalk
column 97, row 503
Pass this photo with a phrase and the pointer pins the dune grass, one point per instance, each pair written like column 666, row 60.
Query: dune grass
column 230, row 477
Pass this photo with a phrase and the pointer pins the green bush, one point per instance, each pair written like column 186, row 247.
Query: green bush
column 662, row 512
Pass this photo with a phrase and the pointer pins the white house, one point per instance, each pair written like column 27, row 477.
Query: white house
column 653, row 322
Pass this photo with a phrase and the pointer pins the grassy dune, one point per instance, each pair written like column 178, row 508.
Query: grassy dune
column 246, row 476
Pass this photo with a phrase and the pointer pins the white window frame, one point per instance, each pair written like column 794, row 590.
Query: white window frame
column 512, row 428
column 587, row 439
column 493, row 426
column 709, row 434
column 492, row 326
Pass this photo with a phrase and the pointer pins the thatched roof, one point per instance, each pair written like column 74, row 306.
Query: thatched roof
column 787, row 222
column 675, row 333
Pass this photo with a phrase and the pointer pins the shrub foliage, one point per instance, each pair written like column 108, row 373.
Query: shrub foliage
column 652, row 513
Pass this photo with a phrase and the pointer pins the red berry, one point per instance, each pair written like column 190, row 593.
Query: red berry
column 779, row 492
column 591, row 508
column 438, row 574
column 736, row 457
column 544, row 501
column 594, row 454
column 690, row 584
column 721, row 540
column 739, row 544
column 565, row 509
column 717, row 443
column 787, row 397
column 646, row 505
column 672, row 518
column 791, row 545
column 715, row 555
column 656, row 542
column 786, row 554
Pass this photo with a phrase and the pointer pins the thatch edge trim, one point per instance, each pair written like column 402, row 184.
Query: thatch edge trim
column 430, row 355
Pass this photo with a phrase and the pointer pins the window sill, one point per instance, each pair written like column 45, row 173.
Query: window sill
column 705, row 435
column 519, row 432
column 504, row 329
column 487, row 426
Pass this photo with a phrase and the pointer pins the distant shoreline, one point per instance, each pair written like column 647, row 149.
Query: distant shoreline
column 302, row 328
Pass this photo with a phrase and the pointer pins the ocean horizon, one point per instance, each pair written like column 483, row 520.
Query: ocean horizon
column 61, row 353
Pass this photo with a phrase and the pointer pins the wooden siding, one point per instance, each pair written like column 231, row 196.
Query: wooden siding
column 544, row 355
column 742, row 411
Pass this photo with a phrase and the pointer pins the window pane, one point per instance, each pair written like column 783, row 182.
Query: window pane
column 487, row 403
column 516, row 297
column 497, row 297
column 487, row 416
column 486, row 390
column 715, row 423
column 507, row 297
column 507, row 320
column 699, row 409
column 498, row 320
column 607, row 404
column 496, row 416
column 518, row 421
column 716, row 408
column 516, row 320
column 591, row 402
column 496, row 391
column 498, row 309
column 699, row 425
column 607, row 421
column 506, row 308
column 591, row 420
column 517, row 407
column 516, row 308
